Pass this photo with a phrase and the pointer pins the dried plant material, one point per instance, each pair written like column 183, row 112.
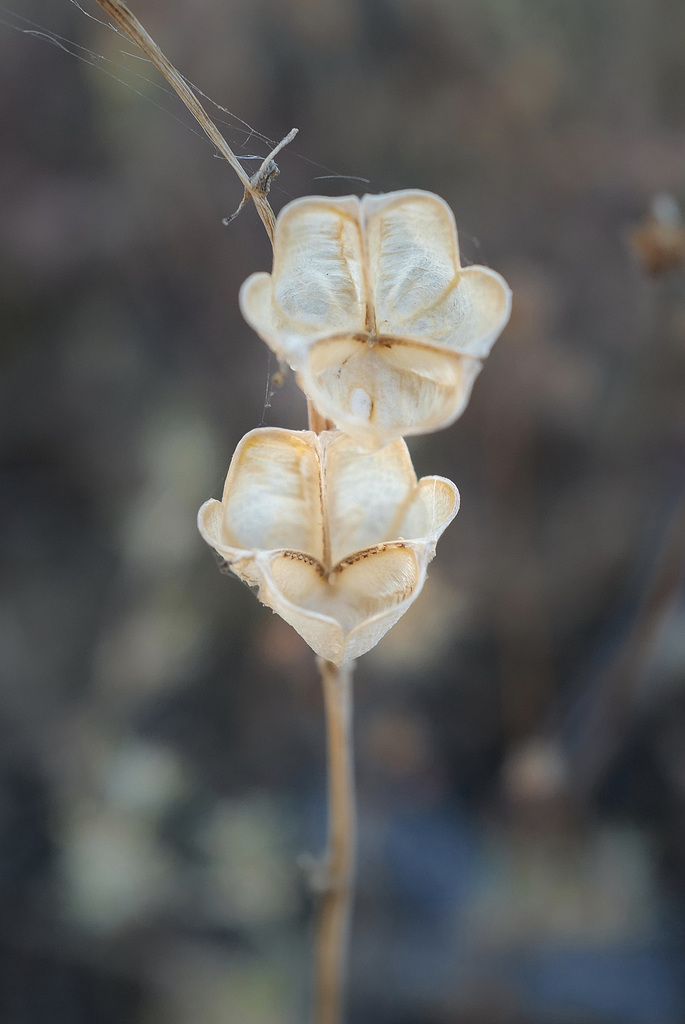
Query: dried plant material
column 658, row 240
column 256, row 187
column 370, row 305
column 336, row 537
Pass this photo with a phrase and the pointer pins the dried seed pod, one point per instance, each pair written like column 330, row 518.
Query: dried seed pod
column 370, row 305
column 336, row 537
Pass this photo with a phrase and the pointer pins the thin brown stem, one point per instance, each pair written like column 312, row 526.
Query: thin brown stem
column 317, row 422
column 255, row 187
column 336, row 899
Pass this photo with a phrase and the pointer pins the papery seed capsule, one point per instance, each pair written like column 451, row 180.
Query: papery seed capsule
column 369, row 303
column 336, row 537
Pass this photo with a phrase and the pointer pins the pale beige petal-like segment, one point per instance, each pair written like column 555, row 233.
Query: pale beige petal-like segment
column 420, row 290
column 383, row 582
column 272, row 495
column 295, row 587
column 336, row 537
column 364, row 490
column 412, row 253
column 343, row 614
column 382, row 391
column 255, row 298
column 317, row 286
column 210, row 521
column 433, row 506
column 469, row 316
column 370, row 582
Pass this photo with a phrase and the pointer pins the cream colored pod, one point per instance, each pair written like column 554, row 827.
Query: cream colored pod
column 370, row 305
column 336, row 537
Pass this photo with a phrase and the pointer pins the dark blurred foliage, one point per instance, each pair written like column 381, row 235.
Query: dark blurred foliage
column 521, row 734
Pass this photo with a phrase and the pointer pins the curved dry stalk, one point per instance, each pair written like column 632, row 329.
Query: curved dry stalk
column 255, row 187
column 338, row 888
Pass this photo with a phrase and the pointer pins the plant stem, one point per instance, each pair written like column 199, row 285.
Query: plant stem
column 336, row 900
column 255, row 187
column 317, row 422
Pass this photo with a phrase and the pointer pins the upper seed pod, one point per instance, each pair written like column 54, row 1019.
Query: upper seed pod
column 369, row 303
column 336, row 538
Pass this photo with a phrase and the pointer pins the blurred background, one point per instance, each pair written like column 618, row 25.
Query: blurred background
column 521, row 732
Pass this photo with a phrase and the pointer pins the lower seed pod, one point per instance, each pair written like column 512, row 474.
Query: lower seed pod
column 336, row 538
